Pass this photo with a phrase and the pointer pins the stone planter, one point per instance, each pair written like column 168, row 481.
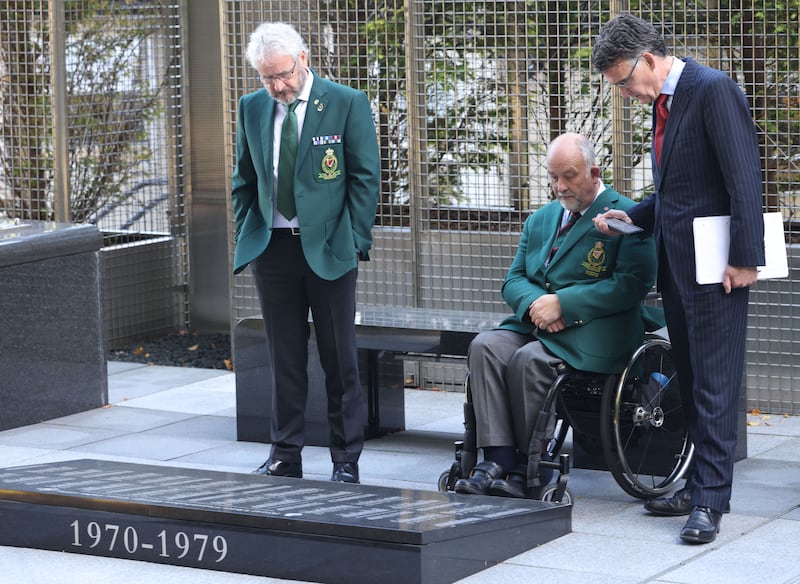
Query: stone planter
column 143, row 291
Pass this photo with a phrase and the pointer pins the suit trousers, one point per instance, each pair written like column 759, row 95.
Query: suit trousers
column 708, row 331
column 287, row 289
column 509, row 375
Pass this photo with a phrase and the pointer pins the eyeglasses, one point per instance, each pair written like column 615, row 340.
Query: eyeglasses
column 284, row 76
column 623, row 84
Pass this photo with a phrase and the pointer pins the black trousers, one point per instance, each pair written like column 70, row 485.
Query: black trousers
column 287, row 289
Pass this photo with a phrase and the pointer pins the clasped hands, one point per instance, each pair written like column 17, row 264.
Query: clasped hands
column 545, row 313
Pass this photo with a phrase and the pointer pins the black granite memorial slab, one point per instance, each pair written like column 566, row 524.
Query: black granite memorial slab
column 52, row 346
column 269, row 526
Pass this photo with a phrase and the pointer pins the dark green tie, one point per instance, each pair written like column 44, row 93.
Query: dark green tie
column 286, row 162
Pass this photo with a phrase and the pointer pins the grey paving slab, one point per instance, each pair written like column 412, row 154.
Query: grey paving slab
column 221, row 428
column 596, row 485
column 793, row 515
column 183, row 417
column 241, row 457
column 621, row 557
column 20, row 455
column 24, row 566
column 135, row 382
column 148, row 446
column 758, row 444
column 120, row 419
column 787, row 450
column 440, row 411
column 56, row 436
column 215, row 396
column 768, row 553
column 510, row 573
column 765, row 487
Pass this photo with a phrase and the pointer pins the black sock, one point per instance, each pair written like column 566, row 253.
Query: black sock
column 505, row 456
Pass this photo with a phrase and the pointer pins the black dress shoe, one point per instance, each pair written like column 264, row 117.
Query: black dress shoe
column 279, row 468
column 678, row 504
column 702, row 525
column 345, row 472
column 479, row 479
column 511, row 486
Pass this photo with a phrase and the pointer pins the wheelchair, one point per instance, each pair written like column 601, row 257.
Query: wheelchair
column 636, row 418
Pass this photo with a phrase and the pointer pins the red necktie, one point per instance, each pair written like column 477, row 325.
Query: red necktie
column 662, row 113
column 562, row 233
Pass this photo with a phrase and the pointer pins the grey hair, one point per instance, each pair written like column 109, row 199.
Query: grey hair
column 626, row 37
column 274, row 38
column 583, row 144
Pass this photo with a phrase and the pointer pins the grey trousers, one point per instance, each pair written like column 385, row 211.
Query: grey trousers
column 509, row 375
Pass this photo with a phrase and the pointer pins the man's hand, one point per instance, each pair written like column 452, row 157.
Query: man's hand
column 600, row 220
column 738, row 277
column 545, row 313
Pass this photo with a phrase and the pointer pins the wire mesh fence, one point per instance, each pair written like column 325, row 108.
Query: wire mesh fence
column 466, row 97
column 91, row 120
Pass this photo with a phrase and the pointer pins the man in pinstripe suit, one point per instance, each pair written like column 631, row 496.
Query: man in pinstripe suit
column 709, row 165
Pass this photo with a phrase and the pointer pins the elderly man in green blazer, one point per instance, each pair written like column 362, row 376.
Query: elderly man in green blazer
column 305, row 192
column 576, row 296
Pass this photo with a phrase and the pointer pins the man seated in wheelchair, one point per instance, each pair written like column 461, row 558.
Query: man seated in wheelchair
column 576, row 296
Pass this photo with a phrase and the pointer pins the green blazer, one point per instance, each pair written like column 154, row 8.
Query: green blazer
column 600, row 280
column 337, row 178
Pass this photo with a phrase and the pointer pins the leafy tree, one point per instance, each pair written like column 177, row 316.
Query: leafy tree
column 493, row 71
column 490, row 72
column 110, row 100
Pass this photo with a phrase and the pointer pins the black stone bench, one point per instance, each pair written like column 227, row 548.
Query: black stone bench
column 382, row 333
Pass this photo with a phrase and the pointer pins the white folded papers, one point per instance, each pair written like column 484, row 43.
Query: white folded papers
column 712, row 239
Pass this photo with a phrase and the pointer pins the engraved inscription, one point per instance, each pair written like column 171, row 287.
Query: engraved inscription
column 116, row 538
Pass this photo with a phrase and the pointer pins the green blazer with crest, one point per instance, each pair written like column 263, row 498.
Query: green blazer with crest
column 337, row 178
column 600, row 281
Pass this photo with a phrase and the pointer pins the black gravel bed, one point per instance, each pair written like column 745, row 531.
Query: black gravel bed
column 183, row 349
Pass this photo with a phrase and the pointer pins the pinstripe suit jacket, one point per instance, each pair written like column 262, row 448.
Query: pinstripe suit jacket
column 709, row 166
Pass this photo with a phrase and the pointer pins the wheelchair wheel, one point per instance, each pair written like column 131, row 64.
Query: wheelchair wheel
column 549, row 495
column 447, row 480
column 643, row 427
column 444, row 480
